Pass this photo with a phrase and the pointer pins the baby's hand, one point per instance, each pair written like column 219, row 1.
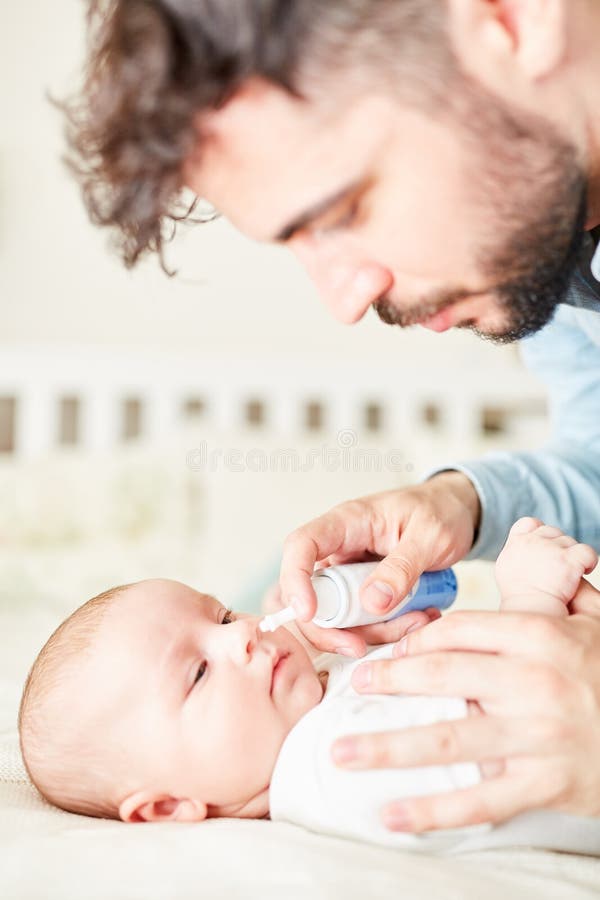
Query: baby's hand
column 540, row 568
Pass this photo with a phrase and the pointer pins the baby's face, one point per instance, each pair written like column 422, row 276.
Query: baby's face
column 201, row 698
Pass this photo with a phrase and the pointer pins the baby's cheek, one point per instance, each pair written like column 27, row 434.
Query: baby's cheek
column 307, row 693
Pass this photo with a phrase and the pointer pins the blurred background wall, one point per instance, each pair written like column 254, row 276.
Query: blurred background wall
column 181, row 427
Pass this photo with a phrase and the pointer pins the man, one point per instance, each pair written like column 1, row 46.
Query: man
column 440, row 161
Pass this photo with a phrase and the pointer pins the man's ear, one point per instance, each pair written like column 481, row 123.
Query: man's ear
column 531, row 32
column 146, row 806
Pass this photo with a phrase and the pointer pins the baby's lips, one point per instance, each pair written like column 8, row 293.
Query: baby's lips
column 277, row 660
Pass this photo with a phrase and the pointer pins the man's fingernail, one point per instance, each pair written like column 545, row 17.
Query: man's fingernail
column 344, row 752
column 347, row 651
column 379, row 595
column 361, row 677
column 395, row 818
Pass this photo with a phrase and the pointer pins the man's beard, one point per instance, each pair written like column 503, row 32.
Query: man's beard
column 530, row 301
column 531, row 190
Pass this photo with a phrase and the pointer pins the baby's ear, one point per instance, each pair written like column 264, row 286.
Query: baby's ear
column 144, row 806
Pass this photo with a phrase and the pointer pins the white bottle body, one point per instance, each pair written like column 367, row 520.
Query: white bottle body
column 338, row 589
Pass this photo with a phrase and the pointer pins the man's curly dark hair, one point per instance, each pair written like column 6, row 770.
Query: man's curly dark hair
column 153, row 66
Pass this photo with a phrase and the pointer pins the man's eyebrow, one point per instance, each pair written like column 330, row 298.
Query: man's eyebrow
column 313, row 212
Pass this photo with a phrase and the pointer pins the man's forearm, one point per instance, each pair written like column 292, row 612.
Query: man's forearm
column 560, row 485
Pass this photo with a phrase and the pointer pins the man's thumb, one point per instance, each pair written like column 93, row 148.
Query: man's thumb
column 392, row 579
column 586, row 600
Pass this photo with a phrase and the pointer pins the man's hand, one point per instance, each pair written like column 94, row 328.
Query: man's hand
column 350, row 641
column 536, row 678
column 417, row 529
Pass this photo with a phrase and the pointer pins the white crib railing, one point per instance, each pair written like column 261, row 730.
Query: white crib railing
column 95, row 399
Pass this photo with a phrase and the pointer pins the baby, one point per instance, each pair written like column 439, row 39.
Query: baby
column 153, row 702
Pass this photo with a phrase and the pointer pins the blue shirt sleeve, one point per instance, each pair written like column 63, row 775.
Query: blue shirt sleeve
column 560, row 483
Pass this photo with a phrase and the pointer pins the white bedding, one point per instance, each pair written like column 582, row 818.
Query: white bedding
column 46, row 853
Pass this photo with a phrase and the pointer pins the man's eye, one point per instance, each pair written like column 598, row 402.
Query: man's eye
column 337, row 222
column 349, row 216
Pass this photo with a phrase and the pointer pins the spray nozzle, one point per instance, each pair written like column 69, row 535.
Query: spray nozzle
column 273, row 621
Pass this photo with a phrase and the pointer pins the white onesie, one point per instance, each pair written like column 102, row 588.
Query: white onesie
column 308, row 789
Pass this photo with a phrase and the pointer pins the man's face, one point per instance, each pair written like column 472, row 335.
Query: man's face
column 199, row 696
column 390, row 207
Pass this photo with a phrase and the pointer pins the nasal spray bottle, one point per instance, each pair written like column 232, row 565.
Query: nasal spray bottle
column 338, row 603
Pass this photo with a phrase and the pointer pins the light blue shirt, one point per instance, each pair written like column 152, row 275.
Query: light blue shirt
column 559, row 483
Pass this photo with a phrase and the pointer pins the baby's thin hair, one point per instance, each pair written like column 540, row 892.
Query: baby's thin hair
column 45, row 747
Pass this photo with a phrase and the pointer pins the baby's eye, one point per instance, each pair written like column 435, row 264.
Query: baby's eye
column 200, row 672
column 228, row 618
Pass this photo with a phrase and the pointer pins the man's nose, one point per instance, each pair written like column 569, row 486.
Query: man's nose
column 347, row 285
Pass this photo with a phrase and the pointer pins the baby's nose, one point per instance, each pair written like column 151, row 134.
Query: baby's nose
column 245, row 638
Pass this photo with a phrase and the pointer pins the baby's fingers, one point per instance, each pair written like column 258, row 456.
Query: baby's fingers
column 585, row 555
column 525, row 525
